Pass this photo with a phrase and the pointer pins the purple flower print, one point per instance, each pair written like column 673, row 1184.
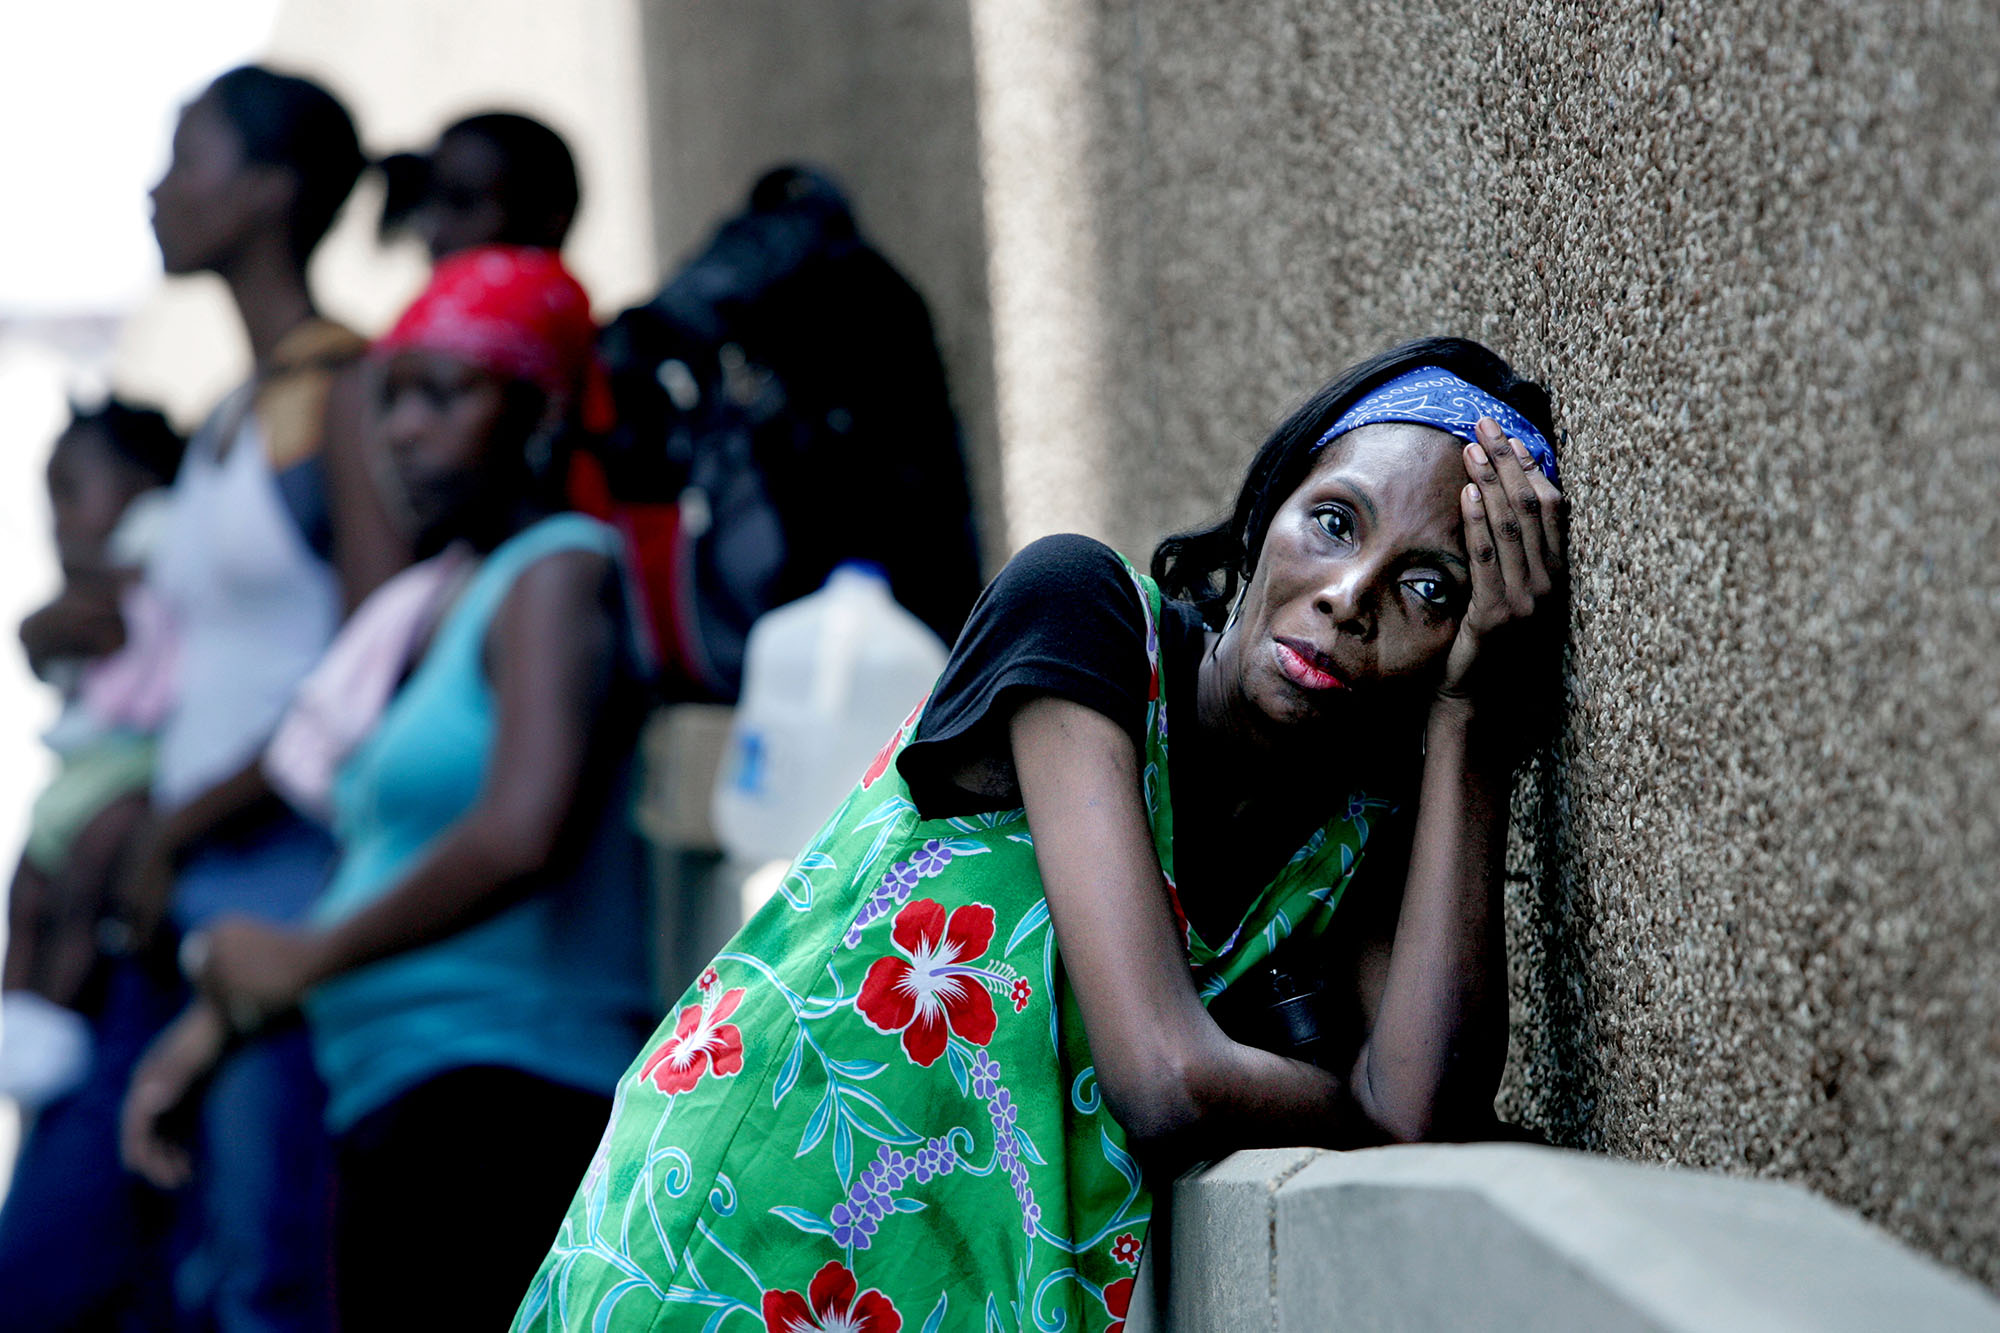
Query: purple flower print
column 852, row 1226
column 935, row 1158
column 1006, row 1154
column 893, row 891
column 870, row 1199
column 931, row 859
column 985, row 1076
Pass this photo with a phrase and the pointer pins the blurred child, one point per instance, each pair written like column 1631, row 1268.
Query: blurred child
column 77, row 1016
column 103, row 641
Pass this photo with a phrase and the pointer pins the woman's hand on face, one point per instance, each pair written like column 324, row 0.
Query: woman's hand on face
column 1510, row 637
column 161, row 1088
column 251, row 971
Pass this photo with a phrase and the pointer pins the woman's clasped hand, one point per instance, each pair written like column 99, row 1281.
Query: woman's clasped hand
column 1509, row 640
column 252, row 971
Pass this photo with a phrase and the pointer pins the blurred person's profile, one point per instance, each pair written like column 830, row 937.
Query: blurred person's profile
column 496, row 178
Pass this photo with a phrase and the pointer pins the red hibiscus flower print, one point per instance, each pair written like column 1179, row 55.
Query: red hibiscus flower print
column 1117, row 1300
column 702, row 1043
column 933, row 985
column 1125, row 1250
column 706, row 981
column 1021, row 994
column 830, row 1305
column 881, row 761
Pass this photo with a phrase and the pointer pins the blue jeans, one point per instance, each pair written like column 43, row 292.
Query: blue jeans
column 82, row 1243
column 246, row 1248
column 254, row 1239
column 273, row 874
column 254, row 1247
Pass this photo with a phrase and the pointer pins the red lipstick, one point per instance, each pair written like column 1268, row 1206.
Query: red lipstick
column 1307, row 667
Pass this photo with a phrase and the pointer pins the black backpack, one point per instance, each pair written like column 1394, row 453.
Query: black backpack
column 782, row 408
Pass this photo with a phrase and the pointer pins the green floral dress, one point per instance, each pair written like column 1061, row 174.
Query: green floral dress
column 876, row 1107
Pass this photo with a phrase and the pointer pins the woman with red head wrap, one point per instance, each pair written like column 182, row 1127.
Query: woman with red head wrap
column 478, row 961
column 515, row 312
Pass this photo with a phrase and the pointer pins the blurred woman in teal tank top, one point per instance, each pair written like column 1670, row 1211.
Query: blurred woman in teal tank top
column 475, row 974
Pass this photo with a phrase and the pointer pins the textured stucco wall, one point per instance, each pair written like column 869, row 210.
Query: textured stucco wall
column 880, row 92
column 1754, row 249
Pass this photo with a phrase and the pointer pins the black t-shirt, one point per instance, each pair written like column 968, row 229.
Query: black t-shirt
column 1064, row 618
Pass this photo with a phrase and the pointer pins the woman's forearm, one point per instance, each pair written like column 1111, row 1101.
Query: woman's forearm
column 1434, row 1055
column 1260, row 1099
column 144, row 880
column 553, row 651
column 476, row 869
column 237, row 803
column 1184, row 1092
column 1178, row 1085
column 170, row 1074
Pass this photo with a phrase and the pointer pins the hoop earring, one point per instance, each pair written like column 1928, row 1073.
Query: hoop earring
column 1236, row 607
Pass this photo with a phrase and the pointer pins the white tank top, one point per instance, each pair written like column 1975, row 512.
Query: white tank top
column 254, row 607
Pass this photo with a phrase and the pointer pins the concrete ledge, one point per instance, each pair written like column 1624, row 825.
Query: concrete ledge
column 1508, row 1237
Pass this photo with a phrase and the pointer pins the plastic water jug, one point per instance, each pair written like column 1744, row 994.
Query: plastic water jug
column 826, row 681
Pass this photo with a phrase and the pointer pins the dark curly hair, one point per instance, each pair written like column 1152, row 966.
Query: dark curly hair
column 1205, row 566
column 140, row 435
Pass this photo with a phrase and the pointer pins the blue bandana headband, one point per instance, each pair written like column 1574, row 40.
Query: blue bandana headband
column 1433, row 396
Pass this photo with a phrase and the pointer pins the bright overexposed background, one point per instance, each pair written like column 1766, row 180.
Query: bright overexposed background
column 89, row 90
